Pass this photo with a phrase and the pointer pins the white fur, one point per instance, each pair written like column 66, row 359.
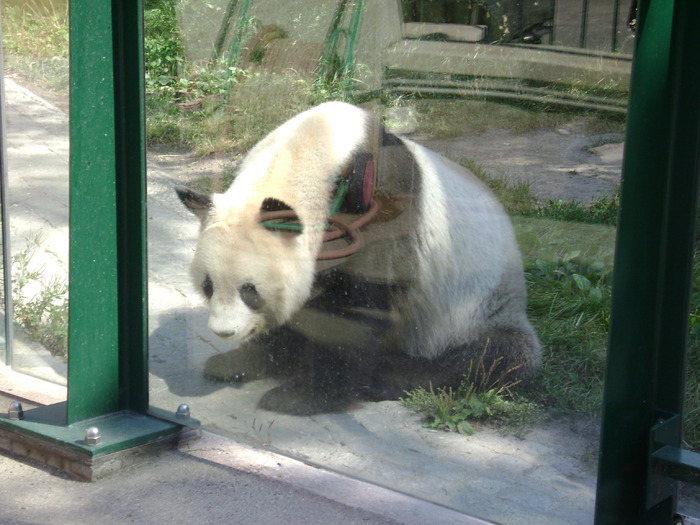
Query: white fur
column 467, row 248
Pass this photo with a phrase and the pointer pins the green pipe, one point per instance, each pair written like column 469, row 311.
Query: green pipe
column 223, row 30
column 351, row 37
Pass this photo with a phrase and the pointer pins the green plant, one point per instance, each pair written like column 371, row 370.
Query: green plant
column 691, row 421
column 516, row 196
column 457, row 410
column 446, row 409
column 483, row 393
column 163, row 49
column 257, row 103
column 569, row 304
column 601, row 211
column 40, row 305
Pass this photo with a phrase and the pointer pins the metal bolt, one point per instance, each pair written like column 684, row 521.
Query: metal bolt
column 93, row 437
column 183, row 410
column 15, row 411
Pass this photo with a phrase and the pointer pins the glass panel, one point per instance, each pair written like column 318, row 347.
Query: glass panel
column 527, row 96
column 35, row 42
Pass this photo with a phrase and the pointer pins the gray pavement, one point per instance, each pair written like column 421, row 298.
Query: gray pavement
column 373, row 464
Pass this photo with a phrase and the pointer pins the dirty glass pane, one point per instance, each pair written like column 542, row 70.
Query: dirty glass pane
column 35, row 67
column 405, row 356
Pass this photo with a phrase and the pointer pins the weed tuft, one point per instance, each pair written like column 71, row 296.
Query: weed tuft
column 40, row 306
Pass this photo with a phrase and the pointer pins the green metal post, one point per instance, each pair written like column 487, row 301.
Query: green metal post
column 645, row 373
column 107, row 348
column 93, row 359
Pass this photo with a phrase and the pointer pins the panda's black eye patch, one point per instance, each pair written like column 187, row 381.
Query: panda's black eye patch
column 251, row 297
column 207, row 287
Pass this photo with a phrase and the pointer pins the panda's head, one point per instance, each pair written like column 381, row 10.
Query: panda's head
column 252, row 277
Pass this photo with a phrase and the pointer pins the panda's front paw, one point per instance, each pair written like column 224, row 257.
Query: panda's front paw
column 230, row 368
column 298, row 400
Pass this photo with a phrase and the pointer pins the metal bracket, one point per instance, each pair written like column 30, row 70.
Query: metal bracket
column 668, row 463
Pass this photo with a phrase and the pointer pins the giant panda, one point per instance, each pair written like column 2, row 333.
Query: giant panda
column 429, row 291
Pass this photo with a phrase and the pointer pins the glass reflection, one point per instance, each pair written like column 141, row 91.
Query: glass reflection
column 534, row 108
column 35, row 60
column 5, row 289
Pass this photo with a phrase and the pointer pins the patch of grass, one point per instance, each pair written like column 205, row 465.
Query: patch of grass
column 237, row 126
column 568, row 253
column 36, row 29
column 436, row 118
column 40, row 305
column 35, row 42
column 569, row 304
column 516, row 197
column 482, row 395
column 602, row 211
column 457, row 410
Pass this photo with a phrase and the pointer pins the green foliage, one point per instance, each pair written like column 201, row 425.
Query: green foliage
column 212, row 107
column 163, row 49
column 37, row 29
column 436, row 118
column 236, row 126
column 569, row 304
column 40, row 306
column 516, row 197
column 35, row 41
column 450, row 410
column 602, row 211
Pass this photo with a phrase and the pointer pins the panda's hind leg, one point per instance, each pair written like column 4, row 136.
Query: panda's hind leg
column 326, row 379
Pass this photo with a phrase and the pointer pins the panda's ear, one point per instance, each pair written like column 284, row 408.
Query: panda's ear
column 272, row 204
column 279, row 217
column 197, row 202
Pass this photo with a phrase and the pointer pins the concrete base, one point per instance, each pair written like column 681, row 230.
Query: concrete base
column 126, row 438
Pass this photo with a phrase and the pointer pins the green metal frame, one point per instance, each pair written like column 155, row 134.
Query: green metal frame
column 108, row 354
column 653, row 270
